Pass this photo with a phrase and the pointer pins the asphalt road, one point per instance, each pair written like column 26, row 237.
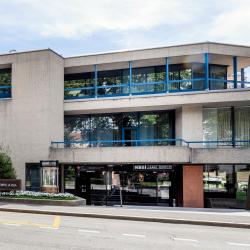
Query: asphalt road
column 31, row 232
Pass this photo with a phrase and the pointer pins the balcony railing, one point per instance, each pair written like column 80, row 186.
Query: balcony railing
column 126, row 89
column 5, row 91
column 151, row 142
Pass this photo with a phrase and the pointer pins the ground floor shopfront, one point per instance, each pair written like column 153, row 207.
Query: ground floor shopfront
column 142, row 184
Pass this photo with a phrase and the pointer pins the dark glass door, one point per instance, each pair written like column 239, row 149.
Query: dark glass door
column 129, row 136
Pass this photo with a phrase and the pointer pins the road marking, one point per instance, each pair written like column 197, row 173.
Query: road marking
column 88, row 231
column 53, row 228
column 183, row 239
column 11, row 224
column 238, row 244
column 57, row 222
column 135, row 235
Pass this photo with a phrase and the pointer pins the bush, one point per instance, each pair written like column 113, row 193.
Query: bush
column 6, row 169
column 37, row 195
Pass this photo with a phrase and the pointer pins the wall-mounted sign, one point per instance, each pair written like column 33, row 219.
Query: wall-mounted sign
column 9, row 185
column 152, row 167
column 49, row 163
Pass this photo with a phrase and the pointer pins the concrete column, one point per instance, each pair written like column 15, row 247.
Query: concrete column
column 193, row 194
column 191, row 124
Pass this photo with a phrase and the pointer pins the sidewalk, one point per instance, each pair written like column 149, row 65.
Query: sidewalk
column 209, row 217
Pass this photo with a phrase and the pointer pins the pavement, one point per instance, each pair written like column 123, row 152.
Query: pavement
column 235, row 218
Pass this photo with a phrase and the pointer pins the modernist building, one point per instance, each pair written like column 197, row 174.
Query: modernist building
column 166, row 126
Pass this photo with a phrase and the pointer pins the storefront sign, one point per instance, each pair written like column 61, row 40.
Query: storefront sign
column 49, row 163
column 152, row 167
column 9, row 185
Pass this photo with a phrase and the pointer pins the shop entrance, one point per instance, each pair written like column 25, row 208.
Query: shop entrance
column 138, row 185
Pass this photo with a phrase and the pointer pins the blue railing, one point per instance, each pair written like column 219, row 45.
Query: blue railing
column 5, row 91
column 125, row 89
column 150, row 142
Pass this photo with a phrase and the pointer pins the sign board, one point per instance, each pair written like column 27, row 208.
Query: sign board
column 152, row 167
column 7, row 185
column 49, row 163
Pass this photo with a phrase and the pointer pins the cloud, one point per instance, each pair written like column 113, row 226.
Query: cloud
column 232, row 25
column 75, row 18
column 125, row 24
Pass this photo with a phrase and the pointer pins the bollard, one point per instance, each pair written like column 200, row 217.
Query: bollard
column 174, row 202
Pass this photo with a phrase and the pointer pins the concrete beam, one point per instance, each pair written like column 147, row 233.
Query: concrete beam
column 220, row 156
column 157, row 102
column 118, row 155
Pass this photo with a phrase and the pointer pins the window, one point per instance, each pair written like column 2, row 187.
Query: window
column 218, row 178
column 69, row 178
column 49, row 176
column 226, row 126
column 226, row 181
column 217, row 126
column 219, row 73
column 185, row 73
column 32, row 181
column 5, row 83
column 80, row 80
column 242, row 126
column 110, row 129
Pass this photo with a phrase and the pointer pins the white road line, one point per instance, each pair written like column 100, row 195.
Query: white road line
column 53, row 228
column 88, row 231
column 135, row 235
column 238, row 244
column 183, row 239
column 9, row 224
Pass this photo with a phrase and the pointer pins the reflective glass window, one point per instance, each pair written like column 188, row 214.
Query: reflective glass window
column 5, row 83
column 72, row 83
column 219, row 73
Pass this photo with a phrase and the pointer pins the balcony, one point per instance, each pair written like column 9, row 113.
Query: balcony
column 178, row 74
column 182, row 152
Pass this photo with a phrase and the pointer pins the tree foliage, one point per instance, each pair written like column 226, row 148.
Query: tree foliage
column 6, row 169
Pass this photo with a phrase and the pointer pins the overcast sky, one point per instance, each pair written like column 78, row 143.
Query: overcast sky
column 73, row 27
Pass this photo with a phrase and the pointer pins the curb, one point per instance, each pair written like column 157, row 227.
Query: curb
column 132, row 218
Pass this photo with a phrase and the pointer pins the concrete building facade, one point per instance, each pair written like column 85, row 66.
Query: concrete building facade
column 166, row 126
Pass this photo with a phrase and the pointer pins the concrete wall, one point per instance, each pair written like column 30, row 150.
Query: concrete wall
column 192, row 124
column 34, row 116
column 220, row 156
column 160, row 154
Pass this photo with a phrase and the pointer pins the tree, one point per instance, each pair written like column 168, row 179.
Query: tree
column 6, row 169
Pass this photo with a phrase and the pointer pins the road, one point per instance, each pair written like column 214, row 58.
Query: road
column 32, row 232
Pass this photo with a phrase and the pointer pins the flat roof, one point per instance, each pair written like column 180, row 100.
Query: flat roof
column 124, row 51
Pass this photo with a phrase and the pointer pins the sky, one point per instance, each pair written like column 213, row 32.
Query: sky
column 77, row 27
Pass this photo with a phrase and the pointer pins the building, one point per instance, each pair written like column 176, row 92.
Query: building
column 165, row 126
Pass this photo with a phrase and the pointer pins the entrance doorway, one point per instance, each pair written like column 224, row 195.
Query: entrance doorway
column 101, row 185
column 129, row 136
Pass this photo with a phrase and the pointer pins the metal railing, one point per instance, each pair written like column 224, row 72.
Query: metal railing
column 150, row 142
column 125, row 89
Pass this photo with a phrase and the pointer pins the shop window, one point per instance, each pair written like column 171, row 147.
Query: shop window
column 32, row 181
column 242, row 176
column 49, row 179
column 69, row 178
